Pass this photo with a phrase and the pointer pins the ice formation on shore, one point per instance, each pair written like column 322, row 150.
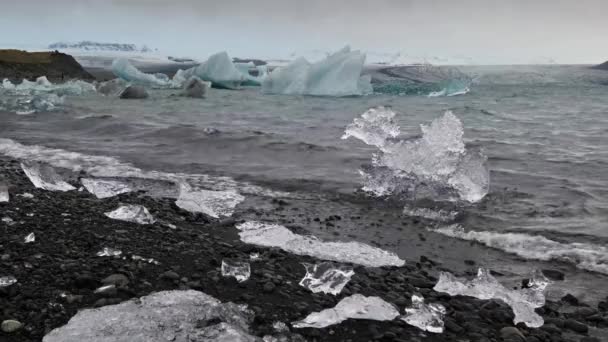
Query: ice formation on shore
column 586, row 256
column 208, row 202
column 426, row 317
column 273, row 235
column 436, row 162
column 240, row 270
column 44, row 177
column 485, row 286
column 7, row 281
column 325, row 277
column 356, row 306
column 163, row 316
column 102, row 188
column 337, row 75
column 4, row 196
column 132, row 213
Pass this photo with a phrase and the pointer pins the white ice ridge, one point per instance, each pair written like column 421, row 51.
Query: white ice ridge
column 102, row 188
column 356, row 306
column 427, row 317
column 43, row 85
column 178, row 316
column 209, row 202
column 240, row 270
column 122, row 68
column 438, row 160
column 587, row 256
column 326, row 278
column 337, row 75
column 274, row 235
column 4, row 196
column 485, row 286
column 44, row 177
column 132, row 213
column 218, row 69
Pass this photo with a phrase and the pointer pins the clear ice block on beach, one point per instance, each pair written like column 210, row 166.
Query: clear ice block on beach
column 44, row 177
column 132, row 213
column 240, row 270
column 7, row 281
column 426, row 317
column 208, row 202
column 356, row 307
column 107, row 251
column 326, row 277
column 102, row 188
column 31, row 237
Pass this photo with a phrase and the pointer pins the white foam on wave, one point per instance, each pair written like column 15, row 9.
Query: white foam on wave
column 585, row 256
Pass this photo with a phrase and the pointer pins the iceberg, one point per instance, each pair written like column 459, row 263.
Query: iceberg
column 485, row 286
column 438, row 160
column 163, row 316
column 326, row 278
column 43, row 85
column 7, row 281
column 241, row 271
column 104, row 188
column 44, row 177
column 208, row 202
column 132, row 213
column 219, row 70
column 273, row 235
column 426, row 317
column 356, row 306
column 4, row 196
column 122, row 68
column 337, row 75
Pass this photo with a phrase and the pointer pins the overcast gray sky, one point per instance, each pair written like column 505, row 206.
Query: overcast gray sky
column 489, row 31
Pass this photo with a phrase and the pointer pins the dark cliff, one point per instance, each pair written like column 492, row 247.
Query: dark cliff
column 17, row 65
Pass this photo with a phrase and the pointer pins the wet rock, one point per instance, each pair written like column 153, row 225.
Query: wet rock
column 576, row 326
column 118, row 280
column 554, row 275
column 450, row 325
column 512, row 334
column 196, row 88
column 134, row 92
column 570, row 299
column 170, row 275
column 269, row 287
column 586, row 311
column 11, row 326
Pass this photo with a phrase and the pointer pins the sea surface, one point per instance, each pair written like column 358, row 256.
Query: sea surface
column 543, row 128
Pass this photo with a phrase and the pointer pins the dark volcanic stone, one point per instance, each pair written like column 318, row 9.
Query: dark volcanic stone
column 554, row 275
column 134, row 92
column 576, row 326
column 117, row 279
column 511, row 334
column 170, row 275
column 570, row 299
column 269, row 287
column 85, row 282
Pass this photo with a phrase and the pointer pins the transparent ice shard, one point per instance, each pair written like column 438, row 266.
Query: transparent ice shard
column 26, row 195
column 7, row 281
column 107, row 251
column 375, row 127
column 251, row 80
column 112, row 87
column 44, row 177
column 209, row 202
column 254, row 256
column 356, row 307
column 4, row 197
column 148, row 260
column 485, row 286
column 132, row 213
column 163, row 316
column 326, row 277
column 105, row 188
column 427, row 317
column 31, row 237
column 237, row 269
column 273, row 235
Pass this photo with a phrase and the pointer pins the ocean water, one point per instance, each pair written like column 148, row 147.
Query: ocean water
column 543, row 128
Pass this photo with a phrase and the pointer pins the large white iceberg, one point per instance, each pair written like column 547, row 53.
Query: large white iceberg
column 273, row 235
column 337, row 75
column 219, row 70
column 485, row 286
column 44, row 177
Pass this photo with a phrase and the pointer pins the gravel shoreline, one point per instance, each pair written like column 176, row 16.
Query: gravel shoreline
column 58, row 273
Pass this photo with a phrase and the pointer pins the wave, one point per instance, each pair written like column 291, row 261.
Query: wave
column 585, row 256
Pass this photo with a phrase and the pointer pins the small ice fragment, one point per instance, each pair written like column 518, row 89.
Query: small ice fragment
column 30, row 214
column 375, row 127
column 254, row 256
column 9, row 221
column 171, row 225
column 428, row 317
column 132, row 213
column 148, row 260
column 107, row 251
column 485, row 286
column 104, row 288
column 237, row 269
column 4, row 197
column 7, row 281
column 356, row 306
column 26, row 195
column 326, row 278
column 104, row 188
column 212, row 203
column 273, row 235
column 44, row 177
column 280, row 327
column 31, row 237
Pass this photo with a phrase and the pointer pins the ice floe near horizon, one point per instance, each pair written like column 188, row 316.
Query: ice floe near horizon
column 426, row 317
column 340, row 74
column 484, row 286
column 326, row 277
column 274, row 235
column 44, row 177
column 132, row 213
column 586, row 256
column 356, row 306
column 437, row 163
column 102, row 188
column 208, row 202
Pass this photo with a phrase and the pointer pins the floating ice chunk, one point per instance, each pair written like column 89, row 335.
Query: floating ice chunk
column 375, row 127
column 196, row 88
column 132, row 213
column 485, row 286
column 212, row 203
column 107, row 251
column 31, row 237
column 356, row 307
column 337, row 75
column 587, row 256
column 4, row 197
column 105, row 188
column 164, row 316
column 251, row 80
column 273, row 235
column 122, row 68
column 44, row 177
column 326, row 278
column 7, row 281
column 219, row 70
column 254, row 256
column 237, row 269
column 427, row 317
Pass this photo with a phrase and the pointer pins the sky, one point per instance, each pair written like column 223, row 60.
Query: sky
column 485, row 31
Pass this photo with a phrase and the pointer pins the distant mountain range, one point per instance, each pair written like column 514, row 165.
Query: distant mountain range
column 603, row 66
column 96, row 46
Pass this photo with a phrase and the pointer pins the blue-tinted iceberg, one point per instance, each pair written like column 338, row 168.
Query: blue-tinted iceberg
column 219, row 70
column 251, row 80
column 337, row 75
column 122, row 68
